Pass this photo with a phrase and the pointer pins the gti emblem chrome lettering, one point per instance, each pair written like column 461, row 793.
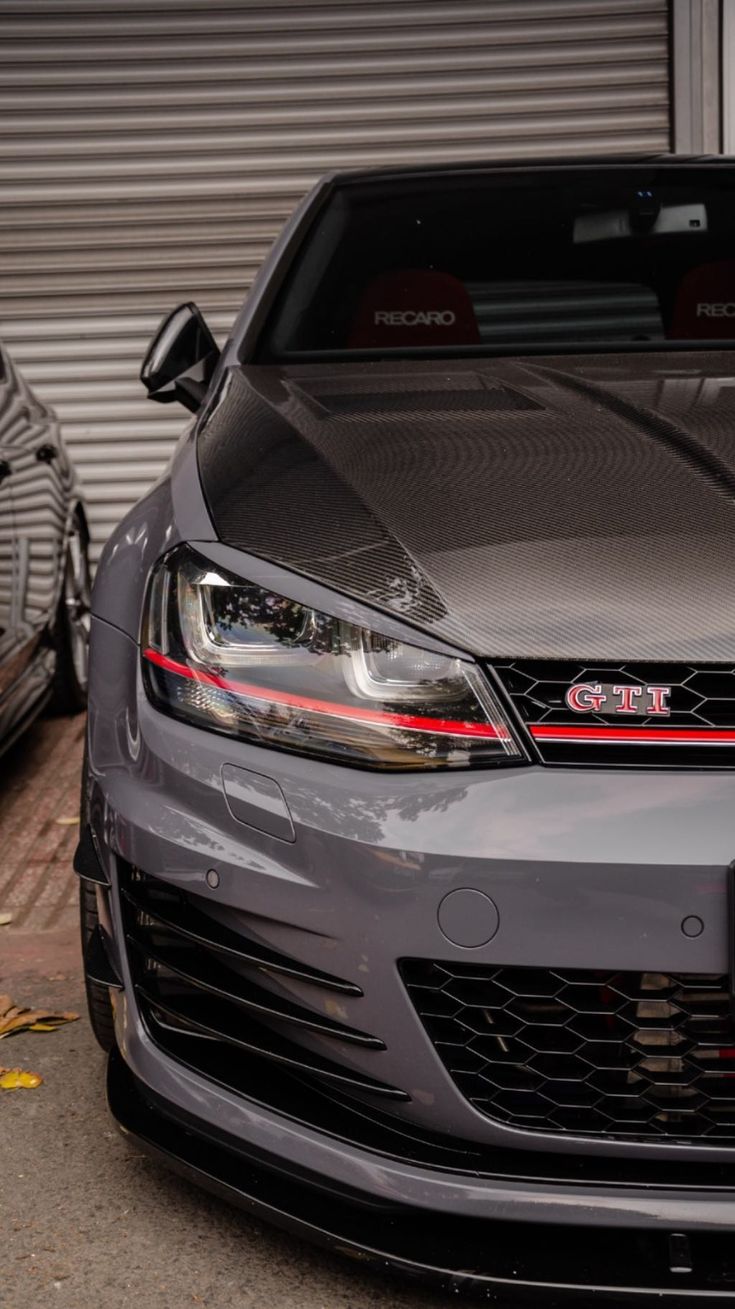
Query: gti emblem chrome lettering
column 599, row 698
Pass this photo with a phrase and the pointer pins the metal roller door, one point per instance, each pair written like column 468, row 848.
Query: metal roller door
column 150, row 150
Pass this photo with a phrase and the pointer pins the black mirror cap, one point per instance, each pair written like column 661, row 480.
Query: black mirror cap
column 181, row 359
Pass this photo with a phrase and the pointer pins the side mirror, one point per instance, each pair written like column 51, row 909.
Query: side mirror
column 181, row 359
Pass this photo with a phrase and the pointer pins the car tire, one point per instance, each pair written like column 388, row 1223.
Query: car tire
column 98, row 997
column 72, row 625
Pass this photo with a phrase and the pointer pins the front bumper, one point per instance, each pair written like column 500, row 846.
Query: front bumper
column 557, row 1263
column 502, row 1255
column 587, row 870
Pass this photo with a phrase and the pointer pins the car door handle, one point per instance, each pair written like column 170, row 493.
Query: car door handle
column 46, row 454
column 5, row 470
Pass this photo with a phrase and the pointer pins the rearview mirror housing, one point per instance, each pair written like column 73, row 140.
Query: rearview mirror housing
column 180, row 359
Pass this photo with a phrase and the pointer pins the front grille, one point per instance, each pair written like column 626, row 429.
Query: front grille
column 699, row 731
column 644, row 1055
column 204, row 987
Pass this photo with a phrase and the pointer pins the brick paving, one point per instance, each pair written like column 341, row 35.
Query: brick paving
column 39, row 795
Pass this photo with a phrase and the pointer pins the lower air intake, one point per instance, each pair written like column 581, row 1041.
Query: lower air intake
column 637, row 1055
column 209, row 994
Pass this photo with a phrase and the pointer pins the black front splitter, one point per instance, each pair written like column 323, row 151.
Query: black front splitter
column 555, row 1265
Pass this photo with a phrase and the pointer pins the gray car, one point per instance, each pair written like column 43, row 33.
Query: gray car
column 409, row 803
column 44, row 568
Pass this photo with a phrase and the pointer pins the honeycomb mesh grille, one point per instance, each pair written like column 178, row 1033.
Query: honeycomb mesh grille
column 645, row 1055
column 702, row 698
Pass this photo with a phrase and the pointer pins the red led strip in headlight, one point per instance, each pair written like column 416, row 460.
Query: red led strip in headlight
column 410, row 722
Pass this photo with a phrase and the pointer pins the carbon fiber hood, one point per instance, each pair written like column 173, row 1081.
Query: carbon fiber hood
column 556, row 507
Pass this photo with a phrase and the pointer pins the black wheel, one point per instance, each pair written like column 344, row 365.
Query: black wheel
column 71, row 631
column 98, row 997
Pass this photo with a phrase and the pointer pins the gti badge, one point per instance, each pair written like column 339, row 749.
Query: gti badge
column 601, row 698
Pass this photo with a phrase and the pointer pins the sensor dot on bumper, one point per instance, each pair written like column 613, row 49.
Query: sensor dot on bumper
column 468, row 918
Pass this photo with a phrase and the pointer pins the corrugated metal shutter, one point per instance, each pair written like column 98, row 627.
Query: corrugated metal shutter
column 150, row 150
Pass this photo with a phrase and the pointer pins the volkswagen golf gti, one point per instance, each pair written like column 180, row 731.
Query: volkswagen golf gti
column 408, row 809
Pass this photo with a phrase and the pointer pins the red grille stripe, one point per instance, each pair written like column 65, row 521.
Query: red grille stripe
column 648, row 735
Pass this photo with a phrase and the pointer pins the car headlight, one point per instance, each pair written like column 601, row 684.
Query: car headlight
column 229, row 656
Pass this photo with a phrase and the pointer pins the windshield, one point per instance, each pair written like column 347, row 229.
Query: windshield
column 503, row 263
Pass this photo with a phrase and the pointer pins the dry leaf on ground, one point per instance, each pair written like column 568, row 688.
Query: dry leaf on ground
column 5, row 918
column 14, row 1019
column 17, row 1079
